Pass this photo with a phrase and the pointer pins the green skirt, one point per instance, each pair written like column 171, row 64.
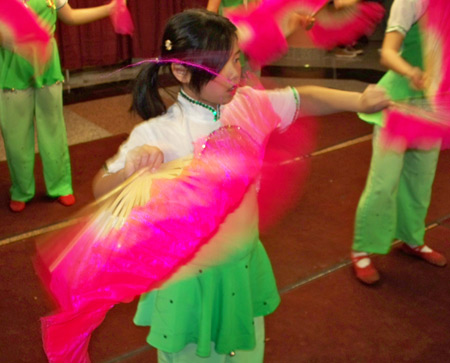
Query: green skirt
column 217, row 305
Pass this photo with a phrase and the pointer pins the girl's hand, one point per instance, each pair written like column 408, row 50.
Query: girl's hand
column 141, row 157
column 338, row 4
column 112, row 6
column 373, row 99
column 416, row 78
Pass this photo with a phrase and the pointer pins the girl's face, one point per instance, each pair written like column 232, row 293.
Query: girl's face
column 221, row 89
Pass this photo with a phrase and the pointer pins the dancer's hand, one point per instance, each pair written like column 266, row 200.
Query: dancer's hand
column 373, row 99
column 416, row 78
column 338, row 4
column 145, row 156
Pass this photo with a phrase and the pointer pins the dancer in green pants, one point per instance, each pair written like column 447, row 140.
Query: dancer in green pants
column 395, row 200
column 30, row 100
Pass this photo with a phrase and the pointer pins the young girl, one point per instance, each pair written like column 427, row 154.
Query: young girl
column 395, row 200
column 212, row 309
column 26, row 96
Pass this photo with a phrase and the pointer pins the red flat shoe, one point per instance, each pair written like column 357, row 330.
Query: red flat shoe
column 67, row 200
column 425, row 253
column 364, row 269
column 16, row 206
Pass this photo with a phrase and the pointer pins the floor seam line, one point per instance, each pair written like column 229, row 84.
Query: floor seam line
column 37, row 232
column 129, row 354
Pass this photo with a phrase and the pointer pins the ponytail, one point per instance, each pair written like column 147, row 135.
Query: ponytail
column 147, row 101
column 195, row 36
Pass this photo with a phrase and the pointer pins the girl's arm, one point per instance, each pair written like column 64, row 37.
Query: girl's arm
column 71, row 16
column 145, row 156
column 213, row 5
column 391, row 59
column 344, row 3
column 316, row 100
column 105, row 182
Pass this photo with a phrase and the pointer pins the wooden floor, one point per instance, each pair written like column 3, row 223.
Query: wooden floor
column 325, row 314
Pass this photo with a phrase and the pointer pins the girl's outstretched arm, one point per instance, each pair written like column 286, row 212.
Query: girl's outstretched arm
column 316, row 100
column 71, row 16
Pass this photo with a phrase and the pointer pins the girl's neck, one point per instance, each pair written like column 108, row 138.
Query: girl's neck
column 191, row 94
column 215, row 110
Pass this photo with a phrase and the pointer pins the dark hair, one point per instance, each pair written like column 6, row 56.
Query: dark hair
column 196, row 36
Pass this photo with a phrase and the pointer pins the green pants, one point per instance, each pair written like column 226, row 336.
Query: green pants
column 188, row 354
column 20, row 111
column 396, row 197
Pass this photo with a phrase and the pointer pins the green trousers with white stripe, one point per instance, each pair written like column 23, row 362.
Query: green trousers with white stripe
column 396, row 198
column 21, row 111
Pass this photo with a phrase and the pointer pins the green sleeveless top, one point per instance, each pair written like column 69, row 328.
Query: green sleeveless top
column 16, row 72
column 231, row 4
column 397, row 86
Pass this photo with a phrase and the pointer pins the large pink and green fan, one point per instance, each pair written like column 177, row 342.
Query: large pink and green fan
column 22, row 33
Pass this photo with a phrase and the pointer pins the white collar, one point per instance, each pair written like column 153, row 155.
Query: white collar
column 199, row 109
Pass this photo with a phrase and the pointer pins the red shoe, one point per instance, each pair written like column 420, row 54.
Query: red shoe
column 67, row 200
column 16, row 206
column 425, row 253
column 364, row 268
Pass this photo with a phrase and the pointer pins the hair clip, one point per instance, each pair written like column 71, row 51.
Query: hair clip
column 168, row 44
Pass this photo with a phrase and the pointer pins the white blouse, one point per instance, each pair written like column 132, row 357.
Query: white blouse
column 175, row 132
column 404, row 13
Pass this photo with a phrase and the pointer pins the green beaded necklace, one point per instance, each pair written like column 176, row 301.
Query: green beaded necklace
column 216, row 113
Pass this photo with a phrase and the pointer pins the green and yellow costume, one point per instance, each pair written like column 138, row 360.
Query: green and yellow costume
column 27, row 101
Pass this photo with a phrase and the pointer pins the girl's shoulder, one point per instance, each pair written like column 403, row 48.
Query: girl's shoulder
column 158, row 123
column 404, row 13
column 263, row 95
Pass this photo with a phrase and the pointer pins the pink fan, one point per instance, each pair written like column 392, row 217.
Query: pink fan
column 285, row 171
column 121, row 18
column 263, row 29
column 332, row 27
column 405, row 130
column 21, row 33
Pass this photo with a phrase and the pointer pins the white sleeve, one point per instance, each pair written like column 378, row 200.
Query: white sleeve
column 286, row 103
column 60, row 3
column 404, row 13
column 141, row 135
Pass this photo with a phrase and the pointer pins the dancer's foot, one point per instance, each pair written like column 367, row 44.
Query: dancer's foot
column 67, row 200
column 347, row 52
column 16, row 206
column 364, row 268
column 425, row 253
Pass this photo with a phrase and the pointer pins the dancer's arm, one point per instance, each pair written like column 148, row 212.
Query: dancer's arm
column 213, row 5
column 392, row 59
column 71, row 16
column 323, row 101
